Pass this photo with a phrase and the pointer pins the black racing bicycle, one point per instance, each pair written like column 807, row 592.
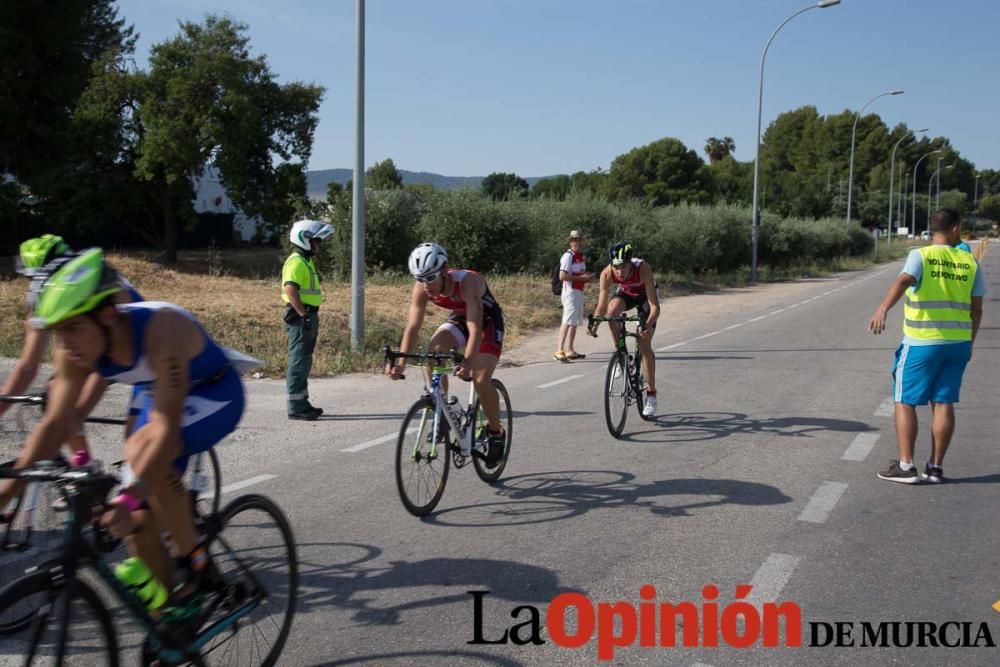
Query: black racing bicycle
column 624, row 384
column 437, row 431
column 251, row 586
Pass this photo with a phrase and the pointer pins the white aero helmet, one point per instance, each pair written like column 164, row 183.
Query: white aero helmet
column 427, row 259
column 304, row 230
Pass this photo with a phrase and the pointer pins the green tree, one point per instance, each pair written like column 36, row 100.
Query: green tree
column 207, row 101
column 661, row 173
column 500, row 186
column 733, row 180
column 553, row 187
column 383, row 176
column 989, row 207
column 716, row 149
column 47, row 53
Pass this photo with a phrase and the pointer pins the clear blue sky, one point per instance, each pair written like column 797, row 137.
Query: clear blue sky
column 539, row 87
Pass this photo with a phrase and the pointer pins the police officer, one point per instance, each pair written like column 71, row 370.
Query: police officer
column 302, row 294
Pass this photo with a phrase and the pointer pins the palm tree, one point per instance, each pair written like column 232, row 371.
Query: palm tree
column 717, row 149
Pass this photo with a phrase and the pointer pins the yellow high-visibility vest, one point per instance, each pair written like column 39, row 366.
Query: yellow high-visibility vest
column 941, row 308
column 301, row 271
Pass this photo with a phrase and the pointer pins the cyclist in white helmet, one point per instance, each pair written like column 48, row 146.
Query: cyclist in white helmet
column 475, row 328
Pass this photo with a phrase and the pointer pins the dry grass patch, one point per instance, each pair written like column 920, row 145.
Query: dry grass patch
column 245, row 312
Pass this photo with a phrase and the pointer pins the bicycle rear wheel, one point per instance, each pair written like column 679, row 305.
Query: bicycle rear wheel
column 255, row 557
column 491, row 475
column 421, row 463
column 205, row 484
column 616, row 387
column 89, row 637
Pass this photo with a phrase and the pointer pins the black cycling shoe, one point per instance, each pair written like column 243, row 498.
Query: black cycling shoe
column 305, row 415
column 496, row 442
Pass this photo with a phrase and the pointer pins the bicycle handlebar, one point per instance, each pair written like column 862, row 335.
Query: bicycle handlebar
column 31, row 399
column 40, row 399
column 391, row 356
column 49, row 471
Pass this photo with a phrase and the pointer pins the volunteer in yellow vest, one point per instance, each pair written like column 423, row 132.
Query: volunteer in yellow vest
column 943, row 289
column 303, row 295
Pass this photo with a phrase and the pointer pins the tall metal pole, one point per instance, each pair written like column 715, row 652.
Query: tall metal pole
column 975, row 195
column 358, row 201
column 892, row 175
column 913, row 223
column 755, row 224
column 937, row 200
column 901, row 216
column 854, row 132
column 930, row 183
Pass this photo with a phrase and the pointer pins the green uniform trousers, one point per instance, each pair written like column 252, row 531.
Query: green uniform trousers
column 301, row 343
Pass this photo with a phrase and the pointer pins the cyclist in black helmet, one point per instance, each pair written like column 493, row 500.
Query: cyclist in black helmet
column 627, row 283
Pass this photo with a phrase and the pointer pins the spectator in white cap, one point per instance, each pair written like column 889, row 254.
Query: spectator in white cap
column 573, row 273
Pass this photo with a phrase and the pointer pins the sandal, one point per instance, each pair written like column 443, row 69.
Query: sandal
column 575, row 356
column 561, row 356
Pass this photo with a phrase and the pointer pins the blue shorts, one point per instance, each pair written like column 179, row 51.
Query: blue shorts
column 922, row 373
column 211, row 412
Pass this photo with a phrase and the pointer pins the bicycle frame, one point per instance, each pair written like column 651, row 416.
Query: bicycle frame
column 76, row 551
column 464, row 431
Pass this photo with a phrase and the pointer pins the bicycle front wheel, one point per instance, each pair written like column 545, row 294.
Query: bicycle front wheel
column 39, row 638
column 616, row 394
column 255, row 556
column 491, row 475
column 421, row 462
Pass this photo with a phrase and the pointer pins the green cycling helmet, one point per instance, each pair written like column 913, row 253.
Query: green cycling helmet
column 37, row 252
column 73, row 288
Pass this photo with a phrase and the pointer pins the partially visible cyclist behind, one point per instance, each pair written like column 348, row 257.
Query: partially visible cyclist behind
column 627, row 283
column 475, row 328
column 194, row 397
column 35, row 255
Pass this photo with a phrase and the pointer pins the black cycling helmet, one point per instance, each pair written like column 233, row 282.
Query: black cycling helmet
column 620, row 253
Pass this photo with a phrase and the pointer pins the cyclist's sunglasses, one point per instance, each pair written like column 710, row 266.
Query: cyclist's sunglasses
column 429, row 279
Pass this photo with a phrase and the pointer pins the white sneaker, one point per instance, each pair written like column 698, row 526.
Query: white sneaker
column 649, row 410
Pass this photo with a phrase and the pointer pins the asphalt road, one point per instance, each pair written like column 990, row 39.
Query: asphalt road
column 759, row 470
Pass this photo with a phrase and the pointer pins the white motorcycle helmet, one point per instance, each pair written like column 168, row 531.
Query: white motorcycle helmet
column 305, row 230
column 427, row 259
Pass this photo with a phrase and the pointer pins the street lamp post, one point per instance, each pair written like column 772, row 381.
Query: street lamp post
column 936, row 175
column 975, row 195
column 358, row 196
column 913, row 222
column 755, row 224
column 902, row 196
column 892, row 169
column 854, row 131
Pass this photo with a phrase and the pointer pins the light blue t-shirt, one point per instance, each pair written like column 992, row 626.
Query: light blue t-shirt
column 962, row 245
column 915, row 267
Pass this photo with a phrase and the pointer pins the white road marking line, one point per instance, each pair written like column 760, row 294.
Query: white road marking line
column 671, row 347
column 708, row 335
column 734, row 326
column 236, row 486
column 861, row 447
column 822, row 502
column 758, row 318
column 771, row 577
column 568, row 378
column 794, row 305
column 887, row 408
column 376, row 441
column 776, row 312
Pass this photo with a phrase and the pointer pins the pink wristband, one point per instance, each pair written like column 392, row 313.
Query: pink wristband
column 130, row 502
column 81, row 458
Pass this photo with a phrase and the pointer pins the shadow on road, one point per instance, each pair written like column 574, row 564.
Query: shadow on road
column 698, row 426
column 556, row 496
column 348, row 576
column 427, row 658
